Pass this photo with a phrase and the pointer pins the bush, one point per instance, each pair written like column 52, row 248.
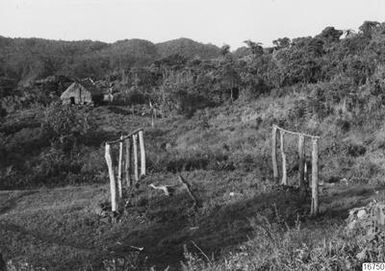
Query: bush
column 276, row 246
column 66, row 124
column 132, row 96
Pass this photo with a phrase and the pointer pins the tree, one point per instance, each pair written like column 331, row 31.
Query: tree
column 330, row 34
column 315, row 47
column 302, row 62
column 225, row 50
column 255, row 47
column 367, row 27
column 281, row 43
column 175, row 61
column 229, row 79
column 65, row 124
column 180, row 93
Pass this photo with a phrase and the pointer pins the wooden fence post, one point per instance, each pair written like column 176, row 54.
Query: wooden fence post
column 135, row 153
column 301, row 162
column 142, row 154
column 307, row 173
column 274, row 153
column 120, row 168
column 284, row 171
column 314, row 177
column 127, row 165
column 114, row 202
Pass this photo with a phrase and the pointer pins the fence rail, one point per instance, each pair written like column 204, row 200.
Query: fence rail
column 122, row 138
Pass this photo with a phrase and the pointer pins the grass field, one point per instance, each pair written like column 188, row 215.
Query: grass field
column 224, row 153
column 61, row 230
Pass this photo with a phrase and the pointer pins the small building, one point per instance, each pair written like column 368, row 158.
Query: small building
column 83, row 92
column 108, row 97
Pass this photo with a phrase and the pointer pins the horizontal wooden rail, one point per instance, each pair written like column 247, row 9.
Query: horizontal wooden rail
column 295, row 133
column 124, row 137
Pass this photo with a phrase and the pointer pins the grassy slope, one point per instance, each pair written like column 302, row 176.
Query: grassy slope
column 60, row 229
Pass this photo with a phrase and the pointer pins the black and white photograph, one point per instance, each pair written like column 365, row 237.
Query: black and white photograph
column 192, row 135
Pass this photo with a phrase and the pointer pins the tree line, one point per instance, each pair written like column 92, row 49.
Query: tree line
column 183, row 76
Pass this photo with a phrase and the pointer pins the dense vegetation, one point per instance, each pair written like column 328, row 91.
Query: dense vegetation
column 216, row 108
column 181, row 72
column 24, row 60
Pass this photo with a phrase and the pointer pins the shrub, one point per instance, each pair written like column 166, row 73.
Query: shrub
column 132, row 96
column 66, row 124
column 276, row 246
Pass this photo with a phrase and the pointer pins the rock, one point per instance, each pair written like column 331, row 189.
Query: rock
column 344, row 181
column 102, row 209
column 354, row 210
column 98, row 210
column 351, row 225
column 361, row 213
column 361, row 256
column 168, row 146
column 369, row 218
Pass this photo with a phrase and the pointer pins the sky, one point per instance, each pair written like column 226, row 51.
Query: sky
column 209, row 21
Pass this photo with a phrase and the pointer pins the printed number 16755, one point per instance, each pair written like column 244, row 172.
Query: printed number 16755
column 373, row 266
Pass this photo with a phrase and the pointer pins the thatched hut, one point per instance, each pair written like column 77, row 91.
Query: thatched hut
column 84, row 92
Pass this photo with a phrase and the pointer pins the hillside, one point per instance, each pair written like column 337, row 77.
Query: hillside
column 128, row 53
column 227, row 162
column 187, row 48
column 24, row 60
column 213, row 127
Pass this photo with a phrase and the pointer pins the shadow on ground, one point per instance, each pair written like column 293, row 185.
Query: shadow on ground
column 229, row 225
column 161, row 225
column 222, row 227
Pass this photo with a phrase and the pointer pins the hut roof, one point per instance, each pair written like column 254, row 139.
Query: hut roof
column 73, row 87
column 83, row 85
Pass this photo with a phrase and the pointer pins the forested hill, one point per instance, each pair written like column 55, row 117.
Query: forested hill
column 183, row 75
column 188, row 48
column 25, row 59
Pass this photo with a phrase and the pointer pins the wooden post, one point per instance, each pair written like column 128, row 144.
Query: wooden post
column 114, row 202
column 301, row 162
column 135, row 153
column 127, row 165
column 284, row 171
column 120, row 167
column 274, row 153
column 142, row 154
column 189, row 190
column 314, row 178
column 306, row 173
